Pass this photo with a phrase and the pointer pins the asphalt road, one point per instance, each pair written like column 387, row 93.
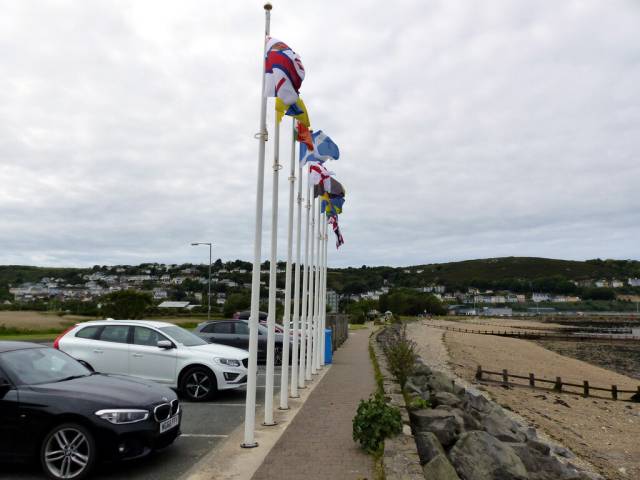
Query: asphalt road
column 204, row 425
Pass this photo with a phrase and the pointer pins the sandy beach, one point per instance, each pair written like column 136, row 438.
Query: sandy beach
column 600, row 431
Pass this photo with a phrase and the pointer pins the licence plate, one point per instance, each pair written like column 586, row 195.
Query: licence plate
column 169, row 424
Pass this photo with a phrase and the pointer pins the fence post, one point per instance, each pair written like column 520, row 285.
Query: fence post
column 558, row 385
column 532, row 380
column 586, row 388
column 614, row 392
column 479, row 374
column 505, row 378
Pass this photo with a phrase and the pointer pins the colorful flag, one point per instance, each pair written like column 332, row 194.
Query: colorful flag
column 318, row 175
column 304, row 136
column 331, row 204
column 333, row 221
column 284, row 72
column 328, row 185
column 324, row 149
column 297, row 110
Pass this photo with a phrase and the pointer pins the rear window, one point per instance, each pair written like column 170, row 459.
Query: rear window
column 242, row 328
column 225, row 327
column 115, row 333
column 87, row 332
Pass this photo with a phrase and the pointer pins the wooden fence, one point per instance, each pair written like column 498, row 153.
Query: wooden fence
column 536, row 335
column 557, row 384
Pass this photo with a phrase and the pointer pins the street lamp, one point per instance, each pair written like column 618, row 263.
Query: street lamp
column 193, row 244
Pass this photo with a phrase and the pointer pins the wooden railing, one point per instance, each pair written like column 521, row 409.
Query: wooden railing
column 557, row 385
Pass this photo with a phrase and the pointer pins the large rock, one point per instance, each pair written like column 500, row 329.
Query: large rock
column 480, row 456
column 428, row 446
column 421, row 369
column 477, row 403
column 446, row 398
column 445, row 425
column 439, row 469
column 541, row 466
column 441, row 382
column 502, row 427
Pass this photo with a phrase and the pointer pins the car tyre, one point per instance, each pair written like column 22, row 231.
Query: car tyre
column 198, row 384
column 68, row 451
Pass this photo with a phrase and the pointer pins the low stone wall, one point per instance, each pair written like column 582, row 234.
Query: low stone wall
column 462, row 435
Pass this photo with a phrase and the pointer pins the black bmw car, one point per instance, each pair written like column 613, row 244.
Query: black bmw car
column 55, row 409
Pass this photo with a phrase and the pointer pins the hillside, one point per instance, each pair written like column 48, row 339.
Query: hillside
column 509, row 273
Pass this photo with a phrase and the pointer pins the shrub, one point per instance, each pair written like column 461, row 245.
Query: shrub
column 418, row 403
column 375, row 421
column 401, row 354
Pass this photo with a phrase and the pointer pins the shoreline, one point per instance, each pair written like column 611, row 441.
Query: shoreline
column 601, row 432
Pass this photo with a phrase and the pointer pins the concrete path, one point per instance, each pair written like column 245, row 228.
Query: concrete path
column 318, row 443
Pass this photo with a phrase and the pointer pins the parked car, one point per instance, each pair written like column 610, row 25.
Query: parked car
column 244, row 315
column 158, row 351
column 53, row 407
column 236, row 334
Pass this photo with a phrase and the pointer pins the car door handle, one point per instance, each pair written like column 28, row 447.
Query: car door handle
column 98, row 351
column 138, row 355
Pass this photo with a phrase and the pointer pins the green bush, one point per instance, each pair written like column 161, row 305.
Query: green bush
column 401, row 354
column 418, row 403
column 375, row 421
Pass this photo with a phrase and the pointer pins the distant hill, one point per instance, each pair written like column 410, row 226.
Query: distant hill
column 517, row 274
column 529, row 268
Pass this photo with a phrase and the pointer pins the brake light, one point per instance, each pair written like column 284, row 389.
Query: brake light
column 56, row 342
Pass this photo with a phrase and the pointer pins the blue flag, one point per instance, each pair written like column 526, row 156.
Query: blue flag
column 324, row 149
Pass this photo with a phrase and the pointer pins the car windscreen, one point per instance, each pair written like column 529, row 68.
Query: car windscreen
column 32, row 366
column 182, row 336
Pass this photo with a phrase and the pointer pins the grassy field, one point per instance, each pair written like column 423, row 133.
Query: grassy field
column 46, row 326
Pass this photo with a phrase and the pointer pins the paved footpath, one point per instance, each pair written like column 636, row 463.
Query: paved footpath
column 318, row 443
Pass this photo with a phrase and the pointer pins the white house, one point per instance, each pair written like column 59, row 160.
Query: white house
column 634, row 282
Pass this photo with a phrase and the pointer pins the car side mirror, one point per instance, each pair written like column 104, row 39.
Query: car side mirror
column 165, row 344
column 4, row 384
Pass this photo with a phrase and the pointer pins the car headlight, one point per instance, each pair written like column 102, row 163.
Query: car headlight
column 121, row 416
column 230, row 362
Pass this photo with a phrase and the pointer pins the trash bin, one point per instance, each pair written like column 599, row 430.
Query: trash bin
column 328, row 346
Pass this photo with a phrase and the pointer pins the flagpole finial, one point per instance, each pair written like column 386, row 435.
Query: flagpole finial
column 267, row 6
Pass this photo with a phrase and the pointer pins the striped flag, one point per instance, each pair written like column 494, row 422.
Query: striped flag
column 284, row 72
column 333, row 221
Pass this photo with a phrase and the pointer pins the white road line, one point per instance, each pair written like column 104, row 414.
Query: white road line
column 203, row 435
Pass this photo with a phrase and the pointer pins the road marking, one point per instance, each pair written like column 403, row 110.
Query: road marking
column 203, row 435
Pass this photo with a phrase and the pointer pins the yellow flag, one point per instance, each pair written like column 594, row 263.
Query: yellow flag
column 297, row 110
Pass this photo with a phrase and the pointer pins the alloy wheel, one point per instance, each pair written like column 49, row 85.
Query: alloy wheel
column 198, row 385
column 67, row 453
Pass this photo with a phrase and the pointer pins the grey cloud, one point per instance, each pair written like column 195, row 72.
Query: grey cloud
column 466, row 130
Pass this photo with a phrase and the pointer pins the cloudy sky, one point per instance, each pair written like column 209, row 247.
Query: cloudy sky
column 467, row 129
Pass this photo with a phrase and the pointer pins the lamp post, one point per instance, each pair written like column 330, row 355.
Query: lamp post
column 193, row 244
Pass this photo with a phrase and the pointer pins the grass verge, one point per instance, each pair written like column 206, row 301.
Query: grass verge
column 378, row 466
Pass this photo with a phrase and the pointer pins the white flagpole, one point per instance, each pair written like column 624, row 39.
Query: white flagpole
column 316, row 293
column 305, row 297
column 273, row 268
column 250, row 402
column 320, row 298
column 296, row 290
column 324, row 295
column 309, row 360
column 284, row 374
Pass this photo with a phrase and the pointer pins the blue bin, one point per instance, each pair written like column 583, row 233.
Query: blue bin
column 328, row 346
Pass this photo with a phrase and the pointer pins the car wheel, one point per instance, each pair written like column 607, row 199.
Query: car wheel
column 277, row 356
column 68, row 451
column 198, row 384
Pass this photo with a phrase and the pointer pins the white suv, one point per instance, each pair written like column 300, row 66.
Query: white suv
column 158, row 351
